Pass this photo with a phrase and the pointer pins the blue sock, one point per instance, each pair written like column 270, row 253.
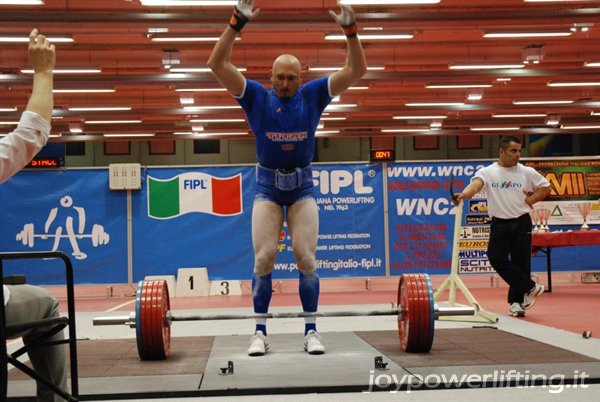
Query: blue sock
column 309, row 295
column 262, row 290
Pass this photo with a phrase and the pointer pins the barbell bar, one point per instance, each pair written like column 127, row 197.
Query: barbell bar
column 416, row 314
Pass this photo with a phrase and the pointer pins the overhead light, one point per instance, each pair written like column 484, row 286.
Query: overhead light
column 553, row 120
column 8, row 123
column 552, row 1
column 325, row 132
column 368, row 37
column 532, row 34
column 475, row 95
column 8, row 109
column 435, row 125
column 130, row 135
column 209, row 134
column 457, row 86
column 197, row 128
column 187, row 38
column 419, row 117
column 503, row 79
column 21, row 3
column 495, row 128
column 573, row 84
column 188, row 3
column 405, row 130
column 333, row 106
column 592, row 64
column 217, row 120
column 112, row 121
column 595, row 113
column 425, row 104
column 75, row 128
column 214, row 107
column 386, row 2
column 186, row 99
column 98, row 109
column 82, row 91
column 542, row 102
column 580, row 127
column 170, row 57
column 332, row 118
column 66, row 70
column 533, row 54
column 519, row 115
column 197, row 69
column 357, row 88
column 25, row 39
column 484, row 66
column 339, row 68
column 200, row 90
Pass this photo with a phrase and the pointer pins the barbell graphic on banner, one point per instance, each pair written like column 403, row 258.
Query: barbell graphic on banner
column 416, row 314
column 27, row 235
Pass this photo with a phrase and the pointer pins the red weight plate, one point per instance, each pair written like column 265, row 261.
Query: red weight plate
column 146, row 310
column 157, row 301
column 145, row 330
column 154, row 326
column 403, row 313
column 415, row 314
column 165, row 333
column 423, row 328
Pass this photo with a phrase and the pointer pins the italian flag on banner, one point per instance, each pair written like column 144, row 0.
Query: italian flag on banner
column 194, row 192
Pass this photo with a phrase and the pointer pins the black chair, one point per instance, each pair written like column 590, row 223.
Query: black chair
column 54, row 324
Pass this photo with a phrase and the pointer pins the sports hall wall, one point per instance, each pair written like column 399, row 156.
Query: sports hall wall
column 376, row 219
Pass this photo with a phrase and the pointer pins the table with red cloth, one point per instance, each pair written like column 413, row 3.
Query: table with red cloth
column 545, row 241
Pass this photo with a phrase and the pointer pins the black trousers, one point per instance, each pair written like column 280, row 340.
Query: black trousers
column 509, row 253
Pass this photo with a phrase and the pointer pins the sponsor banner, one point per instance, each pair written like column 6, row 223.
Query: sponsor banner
column 477, row 220
column 474, row 232
column 194, row 192
column 189, row 221
column 194, row 217
column 575, row 187
column 72, row 211
column 421, row 215
column 351, row 235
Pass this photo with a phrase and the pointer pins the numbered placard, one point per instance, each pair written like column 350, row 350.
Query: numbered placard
column 192, row 282
column 170, row 279
column 225, row 288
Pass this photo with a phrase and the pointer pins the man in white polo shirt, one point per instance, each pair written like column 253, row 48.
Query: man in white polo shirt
column 25, row 302
column 511, row 190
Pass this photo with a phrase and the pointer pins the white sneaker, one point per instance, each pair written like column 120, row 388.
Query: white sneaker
column 516, row 310
column 312, row 343
column 258, row 344
column 532, row 295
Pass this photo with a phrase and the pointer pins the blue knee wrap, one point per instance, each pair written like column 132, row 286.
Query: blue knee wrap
column 309, row 291
column 262, row 290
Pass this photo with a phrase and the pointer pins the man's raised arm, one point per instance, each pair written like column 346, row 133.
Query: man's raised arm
column 220, row 58
column 356, row 63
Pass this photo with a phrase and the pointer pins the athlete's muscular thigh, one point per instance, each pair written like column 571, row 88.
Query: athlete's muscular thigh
column 303, row 223
column 267, row 220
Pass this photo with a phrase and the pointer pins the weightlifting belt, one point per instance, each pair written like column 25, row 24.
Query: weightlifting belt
column 283, row 179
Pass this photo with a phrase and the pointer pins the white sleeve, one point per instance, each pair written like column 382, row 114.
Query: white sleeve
column 20, row 146
column 536, row 179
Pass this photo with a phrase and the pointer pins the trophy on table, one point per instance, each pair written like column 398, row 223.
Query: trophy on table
column 534, row 218
column 584, row 210
column 544, row 215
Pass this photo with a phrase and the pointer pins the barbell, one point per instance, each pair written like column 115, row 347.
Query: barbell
column 416, row 314
column 27, row 235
